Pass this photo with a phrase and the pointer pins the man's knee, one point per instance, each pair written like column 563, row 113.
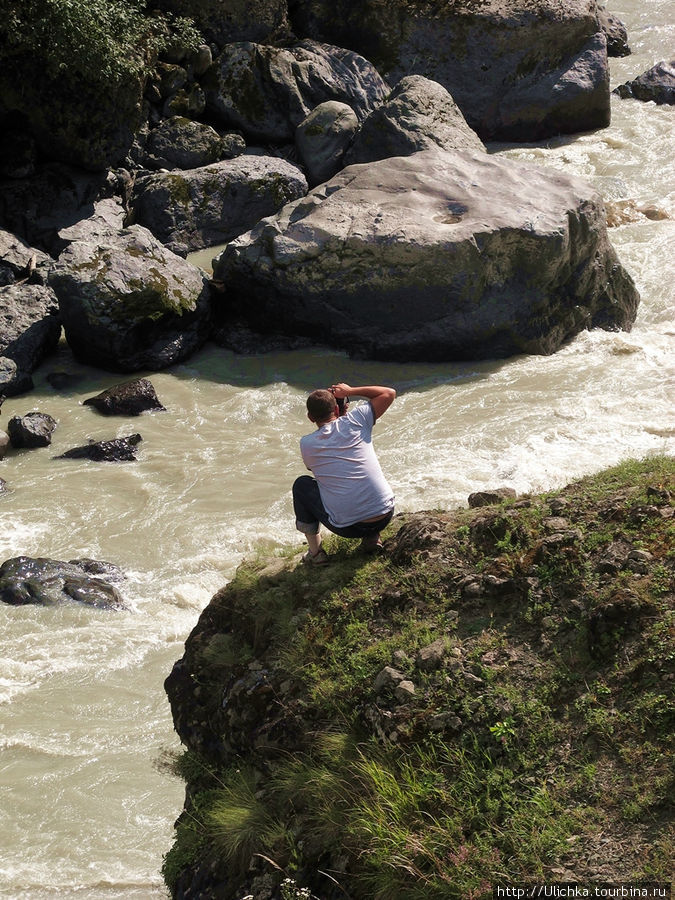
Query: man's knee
column 303, row 487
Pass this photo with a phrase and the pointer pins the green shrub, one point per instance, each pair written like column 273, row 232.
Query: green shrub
column 104, row 41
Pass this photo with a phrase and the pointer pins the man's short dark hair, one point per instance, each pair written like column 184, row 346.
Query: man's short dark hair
column 320, row 405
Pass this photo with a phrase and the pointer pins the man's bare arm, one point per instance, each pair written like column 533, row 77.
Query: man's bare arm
column 380, row 397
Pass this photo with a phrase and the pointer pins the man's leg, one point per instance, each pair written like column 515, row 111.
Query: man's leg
column 309, row 511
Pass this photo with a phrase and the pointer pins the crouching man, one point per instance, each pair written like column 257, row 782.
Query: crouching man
column 348, row 494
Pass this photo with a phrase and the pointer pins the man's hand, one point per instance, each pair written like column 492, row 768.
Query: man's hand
column 380, row 397
column 342, row 390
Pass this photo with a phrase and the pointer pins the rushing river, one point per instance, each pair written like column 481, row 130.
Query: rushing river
column 84, row 809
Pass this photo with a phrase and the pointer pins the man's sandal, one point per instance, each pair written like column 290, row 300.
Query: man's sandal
column 372, row 544
column 320, row 558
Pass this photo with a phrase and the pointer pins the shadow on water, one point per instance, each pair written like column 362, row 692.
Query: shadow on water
column 303, row 370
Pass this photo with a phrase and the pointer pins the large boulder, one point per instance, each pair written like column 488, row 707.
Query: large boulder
column 435, row 256
column 518, row 69
column 50, row 582
column 210, row 205
column 224, row 21
column 419, row 114
column 323, row 137
column 180, row 143
column 657, row 84
column 30, row 327
column 266, row 92
column 128, row 303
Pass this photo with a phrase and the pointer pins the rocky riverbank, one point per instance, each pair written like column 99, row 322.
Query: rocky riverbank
column 490, row 701
column 279, row 108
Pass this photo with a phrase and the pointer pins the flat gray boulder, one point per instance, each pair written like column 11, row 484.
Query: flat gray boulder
column 50, row 582
column 518, row 69
column 266, row 92
column 128, row 303
column 657, row 84
column 210, row 205
column 30, row 327
column 419, row 114
column 435, row 256
column 323, row 137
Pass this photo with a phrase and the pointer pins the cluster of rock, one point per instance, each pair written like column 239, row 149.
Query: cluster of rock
column 35, row 429
column 279, row 136
column 47, row 582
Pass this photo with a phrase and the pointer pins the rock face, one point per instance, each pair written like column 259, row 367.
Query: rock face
column 419, row 114
column 266, row 92
column 49, row 582
column 211, row 205
column 436, row 256
column 128, row 303
column 117, row 450
column 35, row 429
column 518, row 69
column 30, row 326
column 129, row 399
column 323, row 137
column 657, row 84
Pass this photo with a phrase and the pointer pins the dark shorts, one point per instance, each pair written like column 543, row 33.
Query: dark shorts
column 310, row 513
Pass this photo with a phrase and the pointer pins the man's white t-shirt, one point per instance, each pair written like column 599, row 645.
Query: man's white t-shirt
column 342, row 458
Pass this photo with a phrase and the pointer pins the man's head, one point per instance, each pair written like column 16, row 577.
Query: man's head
column 321, row 405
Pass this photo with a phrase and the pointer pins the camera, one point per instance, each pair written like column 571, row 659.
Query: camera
column 342, row 403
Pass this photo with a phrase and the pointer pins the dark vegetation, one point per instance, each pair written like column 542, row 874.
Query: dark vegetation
column 522, row 732
column 104, row 41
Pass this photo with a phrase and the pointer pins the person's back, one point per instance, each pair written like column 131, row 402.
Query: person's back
column 349, row 493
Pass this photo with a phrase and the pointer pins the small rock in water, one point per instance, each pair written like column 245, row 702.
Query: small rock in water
column 32, row 430
column 118, row 450
column 47, row 582
column 128, row 399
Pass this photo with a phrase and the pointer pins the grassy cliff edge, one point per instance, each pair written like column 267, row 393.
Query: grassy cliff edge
column 489, row 702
